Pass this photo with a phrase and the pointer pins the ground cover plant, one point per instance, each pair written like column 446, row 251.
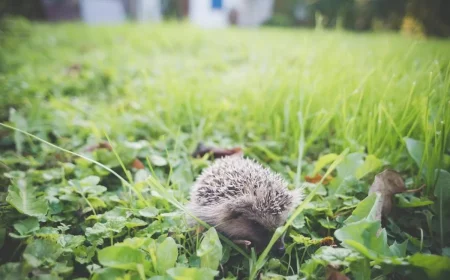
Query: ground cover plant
column 97, row 189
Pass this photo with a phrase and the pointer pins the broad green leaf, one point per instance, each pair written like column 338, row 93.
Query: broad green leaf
column 42, row 251
column 27, row 226
column 149, row 212
column 160, row 277
column 14, row 271
column 348, row 167
column 398, row 249
column 335, row 256
column 71, row 241
column 84, row 254
column 166, row 255
column 210, row 251
column 309, row 269
column 415, row 149
column 158, row 160
column 136, row 242
column 47, row 277
column 363, row 209
column 24, row 198
column 406, row 200
column 330, row 224
column 371, row 164
column 361, row 269
column 90, row 181
column 273, row 264
column 121, row 257
column 370, row 254
column 115, row 224
column 97, row 233
column 436, row 267
column 88, row 186
column 135, row 222
column 96, row 202
column 185, row 273
column 365, row 233
column 62, row 268
column 108, row 274
column 299, row 221
column 323, row 161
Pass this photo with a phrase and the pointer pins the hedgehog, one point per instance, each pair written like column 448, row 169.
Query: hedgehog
column 244, row 201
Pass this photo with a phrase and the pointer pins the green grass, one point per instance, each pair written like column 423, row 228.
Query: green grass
column 286, row 96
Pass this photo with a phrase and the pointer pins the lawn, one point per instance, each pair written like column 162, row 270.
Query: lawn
column 328, row 110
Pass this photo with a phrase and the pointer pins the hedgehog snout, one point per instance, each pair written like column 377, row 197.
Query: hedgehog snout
column 279, row 249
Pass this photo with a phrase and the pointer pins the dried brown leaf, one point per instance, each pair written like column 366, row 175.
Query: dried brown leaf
column 387, row 184
column 334, row 274
column 102, row 145
column 137, row 164
column 73, row 69
column 216, row 152
column 316, row 179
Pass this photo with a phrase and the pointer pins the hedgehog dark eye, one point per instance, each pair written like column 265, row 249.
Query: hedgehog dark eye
column 254, row 223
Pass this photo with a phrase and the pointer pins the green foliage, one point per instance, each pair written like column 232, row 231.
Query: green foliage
column 90, row 206
column 192, row 273
column 121, row 257
column 26, row 227
column 24, row 198
column 166, row 255
column 210, row 251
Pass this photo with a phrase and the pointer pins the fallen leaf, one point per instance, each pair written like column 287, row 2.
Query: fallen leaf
column 334, row 274
column 387, row 184
column 73, row 70
column 137, row 164
column 102, row 145
column 316, row 179
column 202, row 150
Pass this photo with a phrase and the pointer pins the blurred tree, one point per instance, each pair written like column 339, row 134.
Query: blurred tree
column 359, row 14
column 329, row 9
column 31, row 9
column 391, row 13
column 177, row 9
column 433, row 15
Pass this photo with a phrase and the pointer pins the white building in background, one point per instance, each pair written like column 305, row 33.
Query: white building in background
column 102, row 11
column 221, row 13
column 113, row 11
column 204, row 13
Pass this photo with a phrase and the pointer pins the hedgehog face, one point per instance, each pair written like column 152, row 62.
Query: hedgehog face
column 242, row 228
column 247, row 221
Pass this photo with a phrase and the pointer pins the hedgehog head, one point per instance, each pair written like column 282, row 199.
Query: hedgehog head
column 256, row 220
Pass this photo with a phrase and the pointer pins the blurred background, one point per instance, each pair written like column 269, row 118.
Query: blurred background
column 418, row 17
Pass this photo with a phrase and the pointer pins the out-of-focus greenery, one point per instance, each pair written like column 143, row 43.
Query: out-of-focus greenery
column 293, row 99
column 417, row 17
column 433, row 16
